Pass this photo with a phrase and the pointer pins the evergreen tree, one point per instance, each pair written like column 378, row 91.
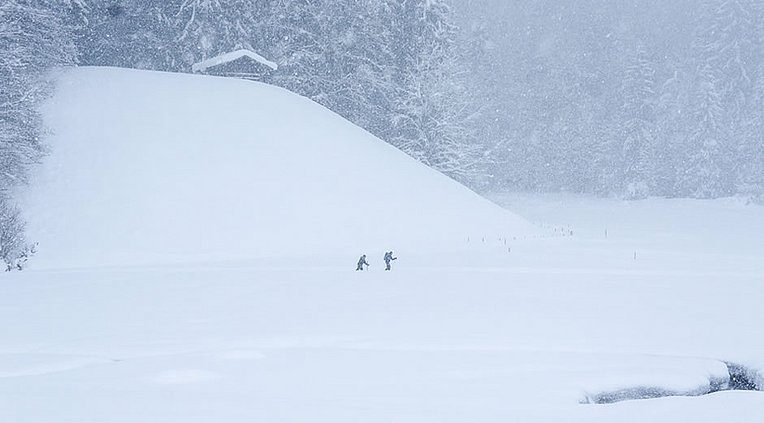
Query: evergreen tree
column 33, row 39
column 725, row 52
column 127, row 33
column 672, row 121
column 705, row 171
column 478, row 55
column 751, row 152
column 12, row 239
column 729, row 46
column 432, row 108
column 336, row 53
column 750, row 178
column 638, row 120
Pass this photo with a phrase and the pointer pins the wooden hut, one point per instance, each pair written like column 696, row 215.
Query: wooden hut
column 242, row 63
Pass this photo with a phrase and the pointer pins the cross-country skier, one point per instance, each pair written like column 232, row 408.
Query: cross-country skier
column 388, row 258
column 362, row 261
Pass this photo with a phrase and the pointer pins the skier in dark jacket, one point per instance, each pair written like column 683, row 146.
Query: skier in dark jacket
column 388, row 258
column 362, row 261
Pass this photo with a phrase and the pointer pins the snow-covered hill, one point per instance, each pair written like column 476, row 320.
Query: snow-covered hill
column 149, row 167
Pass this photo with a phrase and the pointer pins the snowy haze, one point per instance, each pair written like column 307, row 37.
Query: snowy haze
column 182, row 247
column 632, row 98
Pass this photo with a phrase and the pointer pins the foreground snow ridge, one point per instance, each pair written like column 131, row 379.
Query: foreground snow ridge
column 150, row 167
column 738, row 378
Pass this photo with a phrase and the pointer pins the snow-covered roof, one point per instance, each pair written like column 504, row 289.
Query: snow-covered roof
column 230, row 57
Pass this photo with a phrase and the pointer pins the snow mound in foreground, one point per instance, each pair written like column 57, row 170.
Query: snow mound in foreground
column 150, row 167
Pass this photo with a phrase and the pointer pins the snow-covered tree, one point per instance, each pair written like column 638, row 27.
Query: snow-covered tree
column 638, row 130
column 672, row 123
column 750, row 178
column 750, row 153
column 125, row 33
column 431, row 123
column 336, row 53
column 728, row 45
column 12, row 240
column 432, row 108
column 725, row 47
column 33, row 39
column 705, row 174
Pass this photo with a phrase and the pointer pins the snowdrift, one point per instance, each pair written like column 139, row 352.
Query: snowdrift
column 150, row 167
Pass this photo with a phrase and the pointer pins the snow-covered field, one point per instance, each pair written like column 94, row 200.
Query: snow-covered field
column 483, row 318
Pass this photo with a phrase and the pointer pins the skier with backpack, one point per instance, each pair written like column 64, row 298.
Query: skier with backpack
column 388, row 258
